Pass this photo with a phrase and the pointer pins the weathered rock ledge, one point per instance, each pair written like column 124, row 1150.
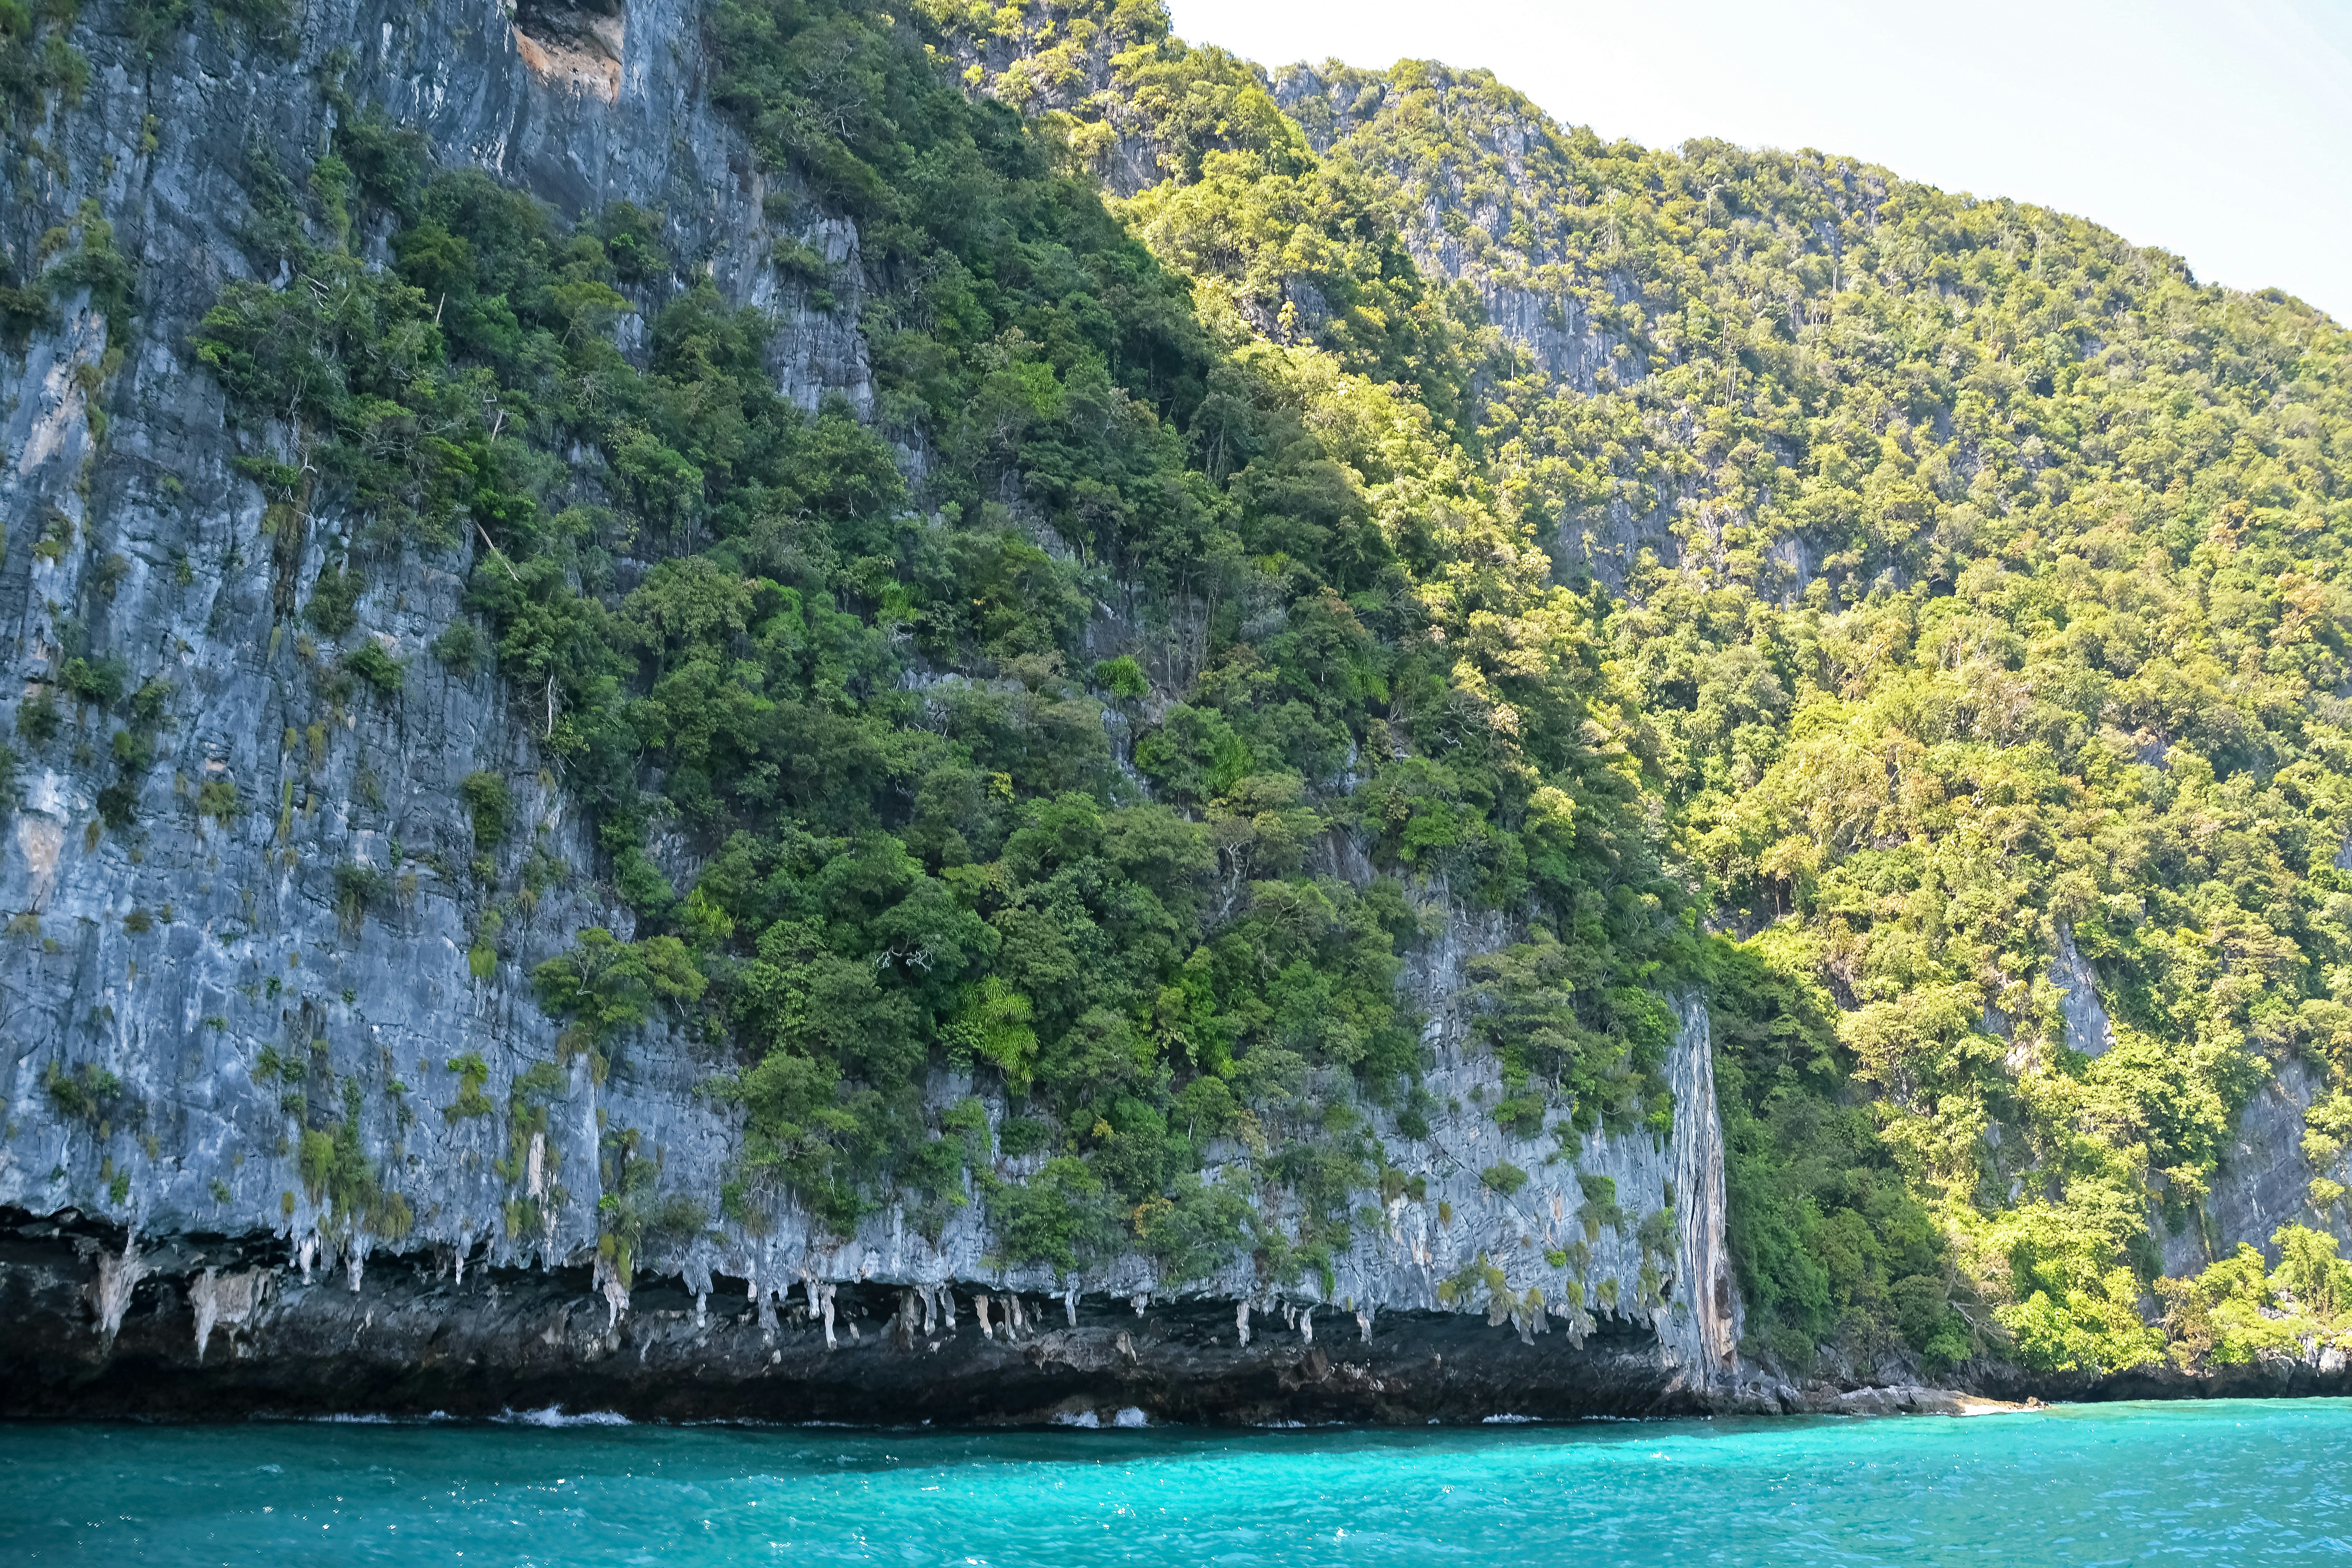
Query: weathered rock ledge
column 215, row 1327
column 202, row 1327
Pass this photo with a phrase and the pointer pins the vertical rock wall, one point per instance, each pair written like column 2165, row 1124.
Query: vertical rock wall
column 1705, row 1325
column 178, row 956
column 175, row 956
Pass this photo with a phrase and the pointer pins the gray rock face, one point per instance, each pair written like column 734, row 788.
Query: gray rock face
column 212, row 1333
column 174, row 952
column 2264, row 1181
column 1463, row 1309
column 2087, row 1029
column 2264, row 1178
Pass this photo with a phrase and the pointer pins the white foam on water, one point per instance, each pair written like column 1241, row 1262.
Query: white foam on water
column 1128, row 1415
column 554, row 1415
column 1508, row 1420
column 1081, row 1418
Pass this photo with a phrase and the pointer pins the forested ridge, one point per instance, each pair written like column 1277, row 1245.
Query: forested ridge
column 1992, row 605
column 1751, row 573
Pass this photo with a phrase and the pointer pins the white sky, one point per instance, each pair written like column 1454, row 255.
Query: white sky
column 2222, row 132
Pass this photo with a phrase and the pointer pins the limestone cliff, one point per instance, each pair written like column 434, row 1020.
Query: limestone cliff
column 243, row 897
column 172, row 949
column 279, row 890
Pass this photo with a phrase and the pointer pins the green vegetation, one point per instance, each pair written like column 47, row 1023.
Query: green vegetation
column 36, row 60
column 1835, row 1247
column 378, row 669
column 1991, row 610
column 633, row 1211
column 491, row 806
column 1505, row 1178
column 1831, row 1246
column 88, row 1093
column 2239, row 1310
column 336, row 1168
column 334, row 600
column 357, row 885
column 604, row 987
column 1993, row 605
column 472, row 1074
column 902, row 872
column 2053, row 657
column 217, row 799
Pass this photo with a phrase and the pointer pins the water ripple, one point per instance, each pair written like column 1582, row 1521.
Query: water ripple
column 2226, row 1482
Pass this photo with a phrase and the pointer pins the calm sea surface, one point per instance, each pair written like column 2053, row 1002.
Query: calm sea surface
column 2224, row 1482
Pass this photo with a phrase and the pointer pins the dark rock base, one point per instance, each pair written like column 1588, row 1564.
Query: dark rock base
column 413, row 1339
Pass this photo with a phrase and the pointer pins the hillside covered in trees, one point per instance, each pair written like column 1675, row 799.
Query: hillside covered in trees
column 1296, row 508
column 1965, row 581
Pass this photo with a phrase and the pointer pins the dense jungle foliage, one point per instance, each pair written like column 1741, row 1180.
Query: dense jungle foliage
column 2054, row 659
column 1748, row 571
column 1991, row 610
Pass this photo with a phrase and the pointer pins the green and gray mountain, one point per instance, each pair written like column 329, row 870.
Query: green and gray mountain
column 785, row 649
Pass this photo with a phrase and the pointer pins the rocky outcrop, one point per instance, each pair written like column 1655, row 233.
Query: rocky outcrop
column 224, row 1301
column 2264, row 1180
column 422, row 1336
column 2087, row 1029
column 1705, row 1313
column 417, row 1339
column 1469, row 1302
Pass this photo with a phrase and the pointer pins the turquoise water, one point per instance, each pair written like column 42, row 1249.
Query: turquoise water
column 2224, row 1482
